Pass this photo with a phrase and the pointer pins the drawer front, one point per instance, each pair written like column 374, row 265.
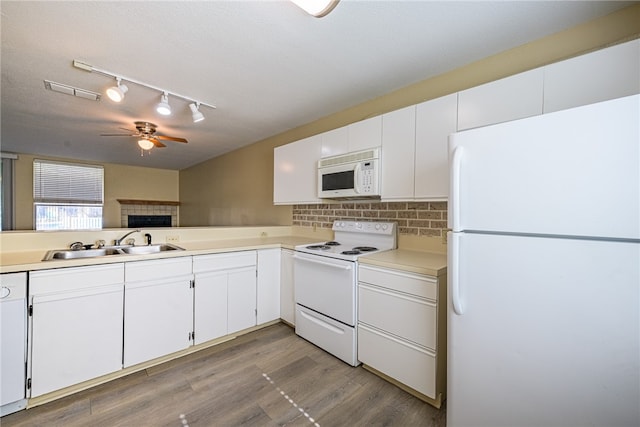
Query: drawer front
column 403, row 315
column 75, row 278
column 224, row 261
column 406, row 363
column 157, row 269
column 414, row 284
column 334, row 337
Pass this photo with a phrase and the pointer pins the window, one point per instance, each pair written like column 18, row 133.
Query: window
column 67, row 196
column 7, row 191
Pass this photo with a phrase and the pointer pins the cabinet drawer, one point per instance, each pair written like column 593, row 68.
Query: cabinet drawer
column 75, row 278
column 157, row 269
column 402, row 361
column 403, row 315
column 413, row 284
column 224, row 261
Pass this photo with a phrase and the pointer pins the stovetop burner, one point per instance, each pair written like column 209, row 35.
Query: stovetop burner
column 333, row 243
column 365, row 248
column 351, row 252
column 319, row 247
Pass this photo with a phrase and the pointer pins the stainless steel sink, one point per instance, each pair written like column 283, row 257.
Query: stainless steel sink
column 151, row 249
column 109, row 250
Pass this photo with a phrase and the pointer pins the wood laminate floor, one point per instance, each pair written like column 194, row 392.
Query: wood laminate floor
column 269, row 377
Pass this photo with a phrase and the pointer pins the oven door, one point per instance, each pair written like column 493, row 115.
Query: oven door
column 326, row 285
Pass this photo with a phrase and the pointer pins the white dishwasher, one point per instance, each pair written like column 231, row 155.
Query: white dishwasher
column 13, row 342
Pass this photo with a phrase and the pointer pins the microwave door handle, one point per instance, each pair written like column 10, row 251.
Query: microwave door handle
column 356, row 178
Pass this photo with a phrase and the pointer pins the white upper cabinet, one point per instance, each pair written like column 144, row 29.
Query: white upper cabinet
column 295, row 171
column 357, row 136
column 503, row 100
column 435, row 121
column 598, row 76
column 335, row 142
column 365, row 134
column 398, row 150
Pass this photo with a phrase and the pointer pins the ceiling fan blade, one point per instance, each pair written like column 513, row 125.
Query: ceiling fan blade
column 127, row 129
column 157, row 143
column 171, row 138
column 118, row 134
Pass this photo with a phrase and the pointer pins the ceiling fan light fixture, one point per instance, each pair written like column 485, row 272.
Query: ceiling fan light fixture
column 145, row 144
column 116, row 93
column 163, row 106
column 317, row 8
column 195, row 112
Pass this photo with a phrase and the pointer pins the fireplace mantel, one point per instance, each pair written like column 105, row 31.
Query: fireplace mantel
column 148, row 202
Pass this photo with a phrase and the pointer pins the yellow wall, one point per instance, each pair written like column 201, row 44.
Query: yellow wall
column 237, row 188
column 120, row 182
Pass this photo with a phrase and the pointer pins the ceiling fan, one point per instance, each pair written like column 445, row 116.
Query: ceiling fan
column 146, row 132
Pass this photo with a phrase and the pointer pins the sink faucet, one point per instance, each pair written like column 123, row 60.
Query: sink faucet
column 117, row 242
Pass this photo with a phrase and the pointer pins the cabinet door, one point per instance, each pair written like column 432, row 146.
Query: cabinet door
column 598, row 76
column 295, row 171
column 210, row 306
column 241, row 298
column 365, row 134
column 503, row 100
column 75, row 329
column 268, row 287
column 335, row 142
column 158, row 318
column 75, row 336
column 435, row 121
column 398, row 150
column 287, row 297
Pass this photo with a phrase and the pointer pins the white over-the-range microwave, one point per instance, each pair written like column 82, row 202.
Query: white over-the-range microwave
column 354, row 175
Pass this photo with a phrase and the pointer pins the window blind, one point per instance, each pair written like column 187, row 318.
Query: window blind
column 69, row 183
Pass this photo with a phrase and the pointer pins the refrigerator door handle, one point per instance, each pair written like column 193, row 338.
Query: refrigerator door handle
column 454, row 276
column 456, row 164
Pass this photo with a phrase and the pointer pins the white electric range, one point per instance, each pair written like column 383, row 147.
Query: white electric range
column 326, row 282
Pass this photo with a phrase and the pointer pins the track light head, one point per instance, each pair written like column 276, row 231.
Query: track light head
column 163, row 106
column 195, row 112
column 116, row 93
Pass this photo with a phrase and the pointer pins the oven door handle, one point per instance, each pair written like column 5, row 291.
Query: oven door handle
column 328, row 264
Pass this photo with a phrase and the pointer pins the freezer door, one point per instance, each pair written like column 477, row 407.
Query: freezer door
column 574, row 172
column 543, row 332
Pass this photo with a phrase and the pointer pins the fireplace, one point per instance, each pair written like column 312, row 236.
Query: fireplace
column 139, row 221
column 148, row 213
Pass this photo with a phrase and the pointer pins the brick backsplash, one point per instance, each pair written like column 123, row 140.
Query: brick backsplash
column 413, row 218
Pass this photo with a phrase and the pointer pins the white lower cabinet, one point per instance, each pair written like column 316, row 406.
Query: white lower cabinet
column 225, row 294
column 268, row 286
column 158, row 313
column 402, row 330
column 287, row 297
column 75, row 325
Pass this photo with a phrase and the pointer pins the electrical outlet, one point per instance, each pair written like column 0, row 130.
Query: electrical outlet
column 172, row 239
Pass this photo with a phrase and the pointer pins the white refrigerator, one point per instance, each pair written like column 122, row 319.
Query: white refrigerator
column 544, row 270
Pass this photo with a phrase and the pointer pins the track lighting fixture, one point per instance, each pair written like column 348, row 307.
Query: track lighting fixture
column 116, row 93
column 145, row 144
column 195, row 112
column 163, row 106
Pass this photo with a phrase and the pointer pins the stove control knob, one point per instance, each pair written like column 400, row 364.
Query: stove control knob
column 377, row 226
column 358, row 225
column 385, row 226
column 341, row 224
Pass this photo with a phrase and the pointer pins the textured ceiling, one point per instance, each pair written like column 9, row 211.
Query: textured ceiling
column 266, row 65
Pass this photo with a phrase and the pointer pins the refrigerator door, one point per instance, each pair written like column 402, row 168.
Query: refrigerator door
column 574, row 172
column 544, row 332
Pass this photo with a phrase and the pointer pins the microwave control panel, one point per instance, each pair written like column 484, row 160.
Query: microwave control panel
column 367, row 174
